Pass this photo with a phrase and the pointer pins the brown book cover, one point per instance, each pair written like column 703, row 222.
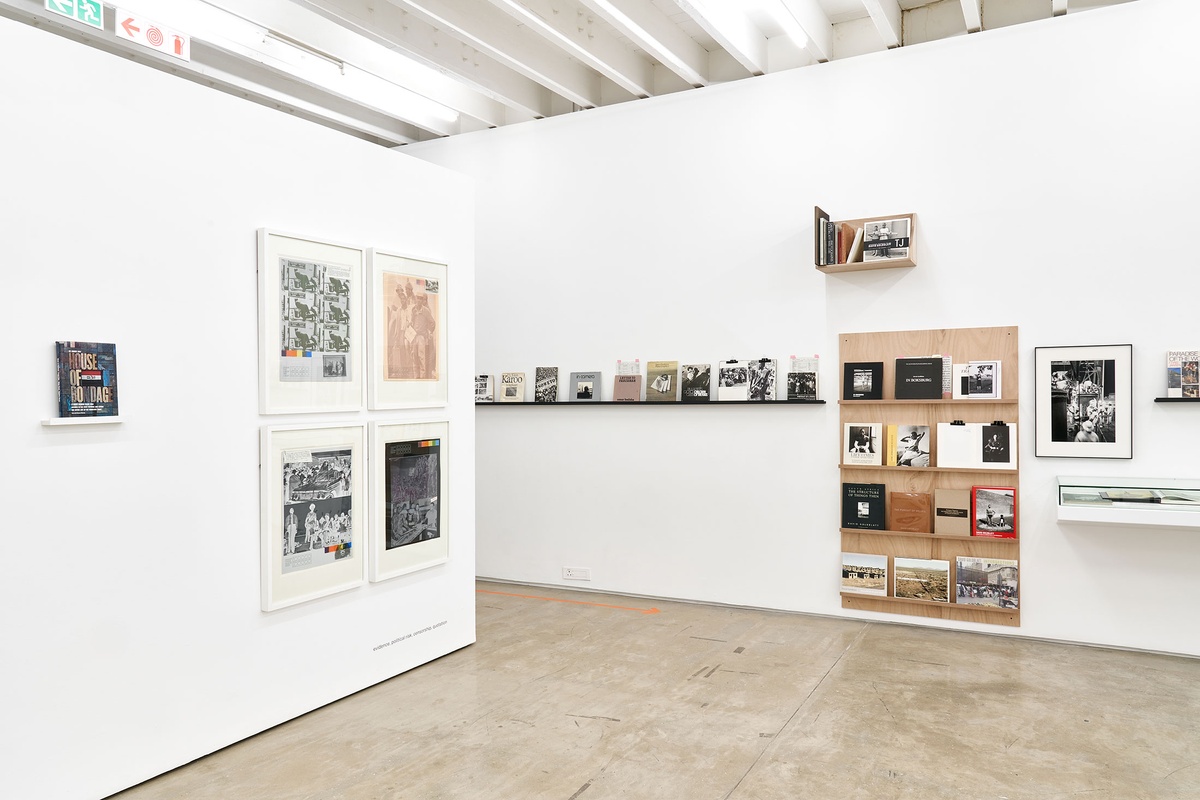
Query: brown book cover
column 909, row 511
column 627, row 388
column 845, row 240
column 952, row 511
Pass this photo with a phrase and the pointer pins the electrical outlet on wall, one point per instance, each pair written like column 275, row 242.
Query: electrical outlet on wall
column 577, row 574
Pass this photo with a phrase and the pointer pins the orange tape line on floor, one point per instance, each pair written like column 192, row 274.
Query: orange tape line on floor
column 576, row 602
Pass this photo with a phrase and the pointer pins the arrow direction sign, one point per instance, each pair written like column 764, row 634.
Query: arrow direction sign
column 89, row 12
column 160, row 38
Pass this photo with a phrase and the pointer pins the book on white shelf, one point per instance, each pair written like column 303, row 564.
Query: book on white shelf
column 627, row 388
column 886, row 238
column 512, row 387
column 485, row 390
column 733, row 380
column 1183, row 373
column 584, row 387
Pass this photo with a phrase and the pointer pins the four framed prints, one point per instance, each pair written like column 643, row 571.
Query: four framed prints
column 343, row 503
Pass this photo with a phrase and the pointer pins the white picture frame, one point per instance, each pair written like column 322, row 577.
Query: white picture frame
column 407, row 295
column 310, row 325
column 401, row 519
column 313, row 508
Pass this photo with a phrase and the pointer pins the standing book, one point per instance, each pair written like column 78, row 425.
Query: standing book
column 584, row 387
column 87, row 379
column 627, row 389
column 864, row 573
column 919, row 378
column 863, row 505
column 695, row 380
column 512, row 387
column 952, row 512
column 909, row 446
column 909, row 511
column 886, row 238
column 733, row 381
column 662, row 381
column 545, row 386
column 994, row 512
column 802, row 379
column 862, row 380
column 862, row 444
column 485, row 390
column 1183, row 373
column 762, row 380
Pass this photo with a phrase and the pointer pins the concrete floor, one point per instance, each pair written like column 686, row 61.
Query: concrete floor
column 581, row 701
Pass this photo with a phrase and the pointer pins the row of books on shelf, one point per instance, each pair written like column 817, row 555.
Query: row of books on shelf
column 1183, row 373
column 985, row 511
column 847, row 243
column 959, row 445
column 934, row 377
column 976, row 581
column 663, row 382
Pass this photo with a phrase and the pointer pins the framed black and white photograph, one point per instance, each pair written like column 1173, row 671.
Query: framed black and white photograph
column 409, row 483
column 1084, row 401
column 408, row 332
column 310, row 325
column 313, row 512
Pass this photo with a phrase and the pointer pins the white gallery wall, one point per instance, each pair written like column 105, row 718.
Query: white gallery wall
column 1053, row 169
column 133, row 640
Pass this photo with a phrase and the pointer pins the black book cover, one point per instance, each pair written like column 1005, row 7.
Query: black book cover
column 863, row 380
column 863, row 505
column 919, row 378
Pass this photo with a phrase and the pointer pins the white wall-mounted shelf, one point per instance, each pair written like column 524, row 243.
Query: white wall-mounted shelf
column 1081, row 500
column 80, row 421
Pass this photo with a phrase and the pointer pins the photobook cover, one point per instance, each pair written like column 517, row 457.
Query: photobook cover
column 696, row 379
column 584, row 387
column 87, row 379
column 864, row 573
column 662, row 381
column 986, row 582
column 862, row 380
column 863, row 505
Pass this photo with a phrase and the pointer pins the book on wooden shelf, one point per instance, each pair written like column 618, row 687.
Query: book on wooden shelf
column 485, row 390
column 952, row 512
column 584, row 387
column 512, row 387
column 986, row 582
column 976, row 380
column 922, row 579
column 909, row 446
column 909, row 511
column 864, row 573
column 862, row 380
column 976, row 445
column 994, row 512
column 886, row 238
column 863, row 444
column 919, row 378
column 864, row 505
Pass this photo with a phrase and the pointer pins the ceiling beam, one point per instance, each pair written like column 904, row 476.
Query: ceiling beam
column 888, row 21
column 396, row 29
column 493, row 32
column 1058, row 7
column 973, row 15
column 732, row 29
column 816, row 26
column 326, row 36
column 572, row 27
column 652, row 31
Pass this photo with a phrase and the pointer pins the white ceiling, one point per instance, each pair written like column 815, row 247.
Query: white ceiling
column 399, row 71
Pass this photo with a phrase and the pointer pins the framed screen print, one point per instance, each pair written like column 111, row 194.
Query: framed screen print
column 408, row 332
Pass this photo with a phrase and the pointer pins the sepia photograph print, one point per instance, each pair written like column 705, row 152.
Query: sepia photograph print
column 1084, row 401
column 923, row 579
column 864, row 573
column 985, row 582
column 407, row 331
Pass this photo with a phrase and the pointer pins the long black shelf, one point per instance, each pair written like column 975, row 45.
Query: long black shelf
column 1177, row 399
column 672, row 404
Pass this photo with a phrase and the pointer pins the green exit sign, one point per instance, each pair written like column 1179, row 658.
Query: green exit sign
column 89, row 12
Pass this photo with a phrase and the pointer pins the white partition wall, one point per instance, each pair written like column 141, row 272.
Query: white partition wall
column 132, row 639
column 1053, row 176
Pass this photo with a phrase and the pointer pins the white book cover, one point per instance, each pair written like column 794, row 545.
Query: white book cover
column 512, row 387
column 733, row 380
column 976, row 380
column 976, row 445
column 862, row 444
column 485, row 390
